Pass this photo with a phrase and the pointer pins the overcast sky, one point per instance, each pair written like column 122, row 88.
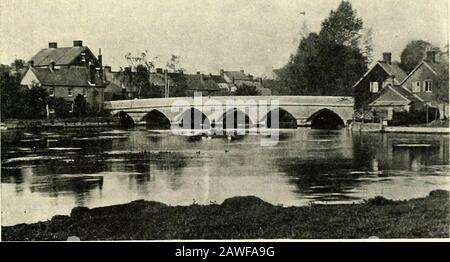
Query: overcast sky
column 255, row 35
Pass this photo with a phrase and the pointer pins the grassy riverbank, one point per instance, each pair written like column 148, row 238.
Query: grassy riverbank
column 247, row 218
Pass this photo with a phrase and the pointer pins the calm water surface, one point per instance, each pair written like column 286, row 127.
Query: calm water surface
column 49, row 173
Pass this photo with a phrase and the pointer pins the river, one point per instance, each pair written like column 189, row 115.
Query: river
column 45, row 173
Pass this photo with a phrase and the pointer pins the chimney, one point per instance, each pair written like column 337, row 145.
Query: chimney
column 92, row 74
column 242, row 71
column 77, row 43
column 128, row 74
column 431, row 56
column 52, row 45
column 107, row 69
column 31, row 63
column 181, row 72
column 222, row 72
column 100, row 57
column 387, row 57
column 159, row 70
column 198, row 72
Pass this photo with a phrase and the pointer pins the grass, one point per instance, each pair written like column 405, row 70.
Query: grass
column 246, row 218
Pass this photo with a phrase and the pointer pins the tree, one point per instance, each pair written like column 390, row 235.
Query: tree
column 414, row 53
column 246, row 90
column 80, row 107
column 329, row 63
column 173, row 63
column 141, row 59
column 141, row 81
column 35, row 102
column 342, row 27
column 11, row 93
column 143, row 66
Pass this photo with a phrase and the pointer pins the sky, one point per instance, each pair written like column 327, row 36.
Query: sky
column 207, row 35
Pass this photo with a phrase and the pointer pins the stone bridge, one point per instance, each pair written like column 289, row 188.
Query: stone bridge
column 304, row 109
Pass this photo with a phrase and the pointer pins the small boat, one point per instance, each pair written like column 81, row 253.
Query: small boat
column 3, row 126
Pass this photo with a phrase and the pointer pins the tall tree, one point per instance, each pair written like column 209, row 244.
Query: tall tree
column 329, row 63
column 343, row 26
column 414, row 53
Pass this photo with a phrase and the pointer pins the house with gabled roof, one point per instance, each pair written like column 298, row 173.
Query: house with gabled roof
column 422, row 90
column 381, row 74
column 239, row 78
column 392, row 99
column 68, row 72
column 429, row 82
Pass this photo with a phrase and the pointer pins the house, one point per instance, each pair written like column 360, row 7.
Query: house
column 394, row 99
column 68, row 72
column 382, row 73
column 429, row 82
column 421, row 90
column 115, row 88
column 203, row 83
column 239, row 78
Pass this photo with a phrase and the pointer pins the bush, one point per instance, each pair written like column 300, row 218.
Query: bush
column 380, row 201
column 60, row 106
column 414, row 117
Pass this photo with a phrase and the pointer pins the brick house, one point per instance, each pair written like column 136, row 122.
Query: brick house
column 68, row 72
column 428, row 80
column 381, row 74
column 419, row 91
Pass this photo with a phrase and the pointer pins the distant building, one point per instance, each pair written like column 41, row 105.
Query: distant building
column 240, row 79
column 116, row 87
column 384, row 72
column 207, row 84
column 68, row 72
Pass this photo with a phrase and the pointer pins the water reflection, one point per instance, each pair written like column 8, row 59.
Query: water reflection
column 48, row 173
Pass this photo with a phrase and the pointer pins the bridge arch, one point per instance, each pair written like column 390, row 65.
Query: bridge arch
column 192, row 117
column 125, row 120
column 285, row 119
column 156, row 119
column 326, row 119
column 234, row 118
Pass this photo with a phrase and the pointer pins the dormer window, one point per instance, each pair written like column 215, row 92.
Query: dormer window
column 69, row 92
column 428, row 85
column 374, row 87
column 51, row 92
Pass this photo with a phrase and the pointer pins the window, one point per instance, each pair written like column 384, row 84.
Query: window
column 428, row 85
column 51, row 92
column 373, row 87
column 416, row 86
column 70, row 92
